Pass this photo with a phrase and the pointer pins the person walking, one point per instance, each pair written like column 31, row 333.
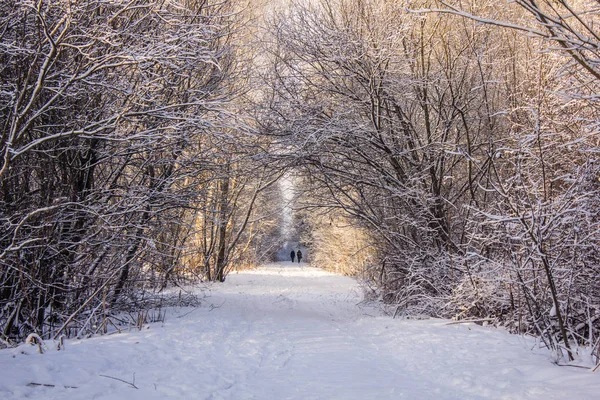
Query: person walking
column 293, row 255
column 299, row 255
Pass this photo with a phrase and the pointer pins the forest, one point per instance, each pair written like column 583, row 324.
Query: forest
column 443, row 152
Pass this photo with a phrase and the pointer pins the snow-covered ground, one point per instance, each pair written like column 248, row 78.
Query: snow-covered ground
column 285, row 332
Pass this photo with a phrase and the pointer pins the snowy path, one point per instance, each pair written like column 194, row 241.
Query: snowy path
column 284, row 332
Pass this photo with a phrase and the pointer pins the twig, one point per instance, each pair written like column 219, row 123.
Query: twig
column 113, row 324
column 466, row 321
column 569, row 365
column 186, row 314
column 596, row 367
column 49, row 385
column 121, row 380
column 212, row 306
column 61, row 343
column 85, row 304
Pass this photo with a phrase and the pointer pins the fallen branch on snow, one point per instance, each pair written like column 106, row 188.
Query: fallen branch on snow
column 466, row 321
column 49, row 385
column 569, row 365
column 132, row 384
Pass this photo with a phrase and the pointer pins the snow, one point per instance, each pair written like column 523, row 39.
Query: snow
column 286, row 331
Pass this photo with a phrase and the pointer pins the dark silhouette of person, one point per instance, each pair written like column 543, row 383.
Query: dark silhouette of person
column 299, row 254
column 293, row 255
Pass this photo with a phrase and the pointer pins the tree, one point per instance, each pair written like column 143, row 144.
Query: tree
column 107, row 110
column 556, row 190
column 439, row 137
column 387, row 120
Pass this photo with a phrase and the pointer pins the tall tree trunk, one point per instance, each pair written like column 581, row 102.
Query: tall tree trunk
column 222, row 231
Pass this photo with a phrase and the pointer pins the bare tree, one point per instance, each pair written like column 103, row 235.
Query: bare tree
column 440, row 136
column 109, row 114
